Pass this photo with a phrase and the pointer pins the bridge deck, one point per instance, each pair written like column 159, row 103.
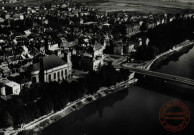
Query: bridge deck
column 162, row 75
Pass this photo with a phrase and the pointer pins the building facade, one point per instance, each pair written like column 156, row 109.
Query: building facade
column 8, row 87
column 51, row 68
column 89, row 60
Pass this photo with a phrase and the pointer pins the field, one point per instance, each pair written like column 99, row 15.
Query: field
column 26, row 3
column 145, row 6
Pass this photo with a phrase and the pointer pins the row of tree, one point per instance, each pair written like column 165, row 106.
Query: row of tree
column 44, row 98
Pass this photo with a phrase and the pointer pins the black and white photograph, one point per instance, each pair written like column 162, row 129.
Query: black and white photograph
column 96, row 67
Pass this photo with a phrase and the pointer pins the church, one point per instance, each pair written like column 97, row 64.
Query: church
column 51, row 68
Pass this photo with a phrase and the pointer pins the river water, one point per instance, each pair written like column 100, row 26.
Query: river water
column 131, row 111
column 182, row 66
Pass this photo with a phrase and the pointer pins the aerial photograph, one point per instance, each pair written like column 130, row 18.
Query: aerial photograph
column 96, row 67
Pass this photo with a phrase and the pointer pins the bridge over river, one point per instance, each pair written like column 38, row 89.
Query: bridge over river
column 164, row 76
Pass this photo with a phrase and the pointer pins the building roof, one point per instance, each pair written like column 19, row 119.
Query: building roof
column 25, row 80
column 97, row 46
column 12, row 84
column 49, row 62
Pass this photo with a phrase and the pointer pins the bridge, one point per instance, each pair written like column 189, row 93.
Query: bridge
column 164, row 76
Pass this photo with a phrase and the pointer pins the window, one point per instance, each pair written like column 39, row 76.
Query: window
column 33, row 79
column 54, row 75
column 65, row 71
column 59, row 75
column 49, row 77
column 16, row 91
column 62, row 73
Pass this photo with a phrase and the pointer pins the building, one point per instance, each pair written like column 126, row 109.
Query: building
column 132, row 28
column 118, row 48
column 20, row 79
column 2, row 88
column 9, row 88
column 90, row 59
column 129, row 48
column 12, row 88
column 54, row 49
column 98, row 56
column 51, row 68
column 18, row 17
column 26, row 82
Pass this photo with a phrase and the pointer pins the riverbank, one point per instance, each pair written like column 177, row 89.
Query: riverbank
column 169, row 55
column 41, row 123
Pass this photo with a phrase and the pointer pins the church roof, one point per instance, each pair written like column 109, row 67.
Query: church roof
column 49, row 62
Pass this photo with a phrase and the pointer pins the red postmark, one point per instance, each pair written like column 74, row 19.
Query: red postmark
column 174, row 116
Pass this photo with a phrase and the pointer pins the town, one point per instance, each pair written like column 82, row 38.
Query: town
column 52, row 47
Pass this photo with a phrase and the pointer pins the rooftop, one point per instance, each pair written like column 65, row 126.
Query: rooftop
column 49, row 62
column 11, row 84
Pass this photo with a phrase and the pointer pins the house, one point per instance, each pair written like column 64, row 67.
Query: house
column 129, row 48
column 26, row 82
column 89, row 57
column 20, row 79
column 18, row 17
column 9, row 88
column 12, row 88
column 54, row 49
column 2, row 88
column 7, row 16
column 64, row 43
column 118, row 48
column 2, row 20
column 87, row 62
column 132, row 28
column 51, row 68
column 13, row 60
column 5, row 70
column 98, row 56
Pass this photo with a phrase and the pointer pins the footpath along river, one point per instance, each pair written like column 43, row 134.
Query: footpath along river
column 131, row 111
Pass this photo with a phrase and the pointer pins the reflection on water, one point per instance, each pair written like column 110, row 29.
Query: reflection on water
column 89, row 110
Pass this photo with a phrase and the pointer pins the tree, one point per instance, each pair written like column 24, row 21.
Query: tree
column 124, row 73
column 25, row 95
column 27, row 132
column 144, row 26
column 108, row 75
column 20, row 116
column 45, row 105
column 59, row 102
column 152, row 52
column 93, row 82
column 7, row 119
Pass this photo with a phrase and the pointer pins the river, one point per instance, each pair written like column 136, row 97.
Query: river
column 182, row 66
column 131, row 111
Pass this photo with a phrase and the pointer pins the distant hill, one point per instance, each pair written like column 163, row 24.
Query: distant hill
column 165, row 0
column 186, row 0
